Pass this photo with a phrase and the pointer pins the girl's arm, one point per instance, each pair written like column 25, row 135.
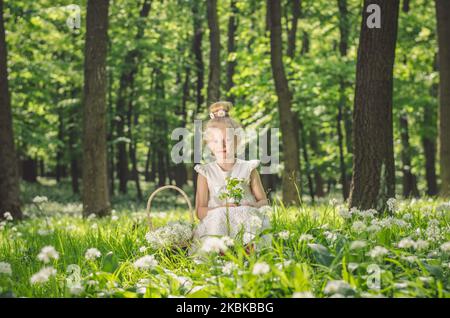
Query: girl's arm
column 257, row 190
column 202, row 196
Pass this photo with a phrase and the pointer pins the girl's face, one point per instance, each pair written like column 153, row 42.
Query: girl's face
column 221, row 143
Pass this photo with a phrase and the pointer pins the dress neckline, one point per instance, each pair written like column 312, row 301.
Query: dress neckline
column 227, row 171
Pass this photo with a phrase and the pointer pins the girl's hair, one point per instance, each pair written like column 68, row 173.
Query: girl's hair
column 220, row 118
column 219, row 113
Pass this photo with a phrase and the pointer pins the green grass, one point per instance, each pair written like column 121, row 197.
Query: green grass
column 310, row 254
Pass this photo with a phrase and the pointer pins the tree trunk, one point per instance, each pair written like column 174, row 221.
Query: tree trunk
column 73, row 137
column 291, row 173
column 409, row 179
column 405, row 7
column 129, row 70
column 95, row 174
column 443, row 30
column 198, row 56
column 132, row 146
column 9, row 175
column 214, row 55
column 429, row 135
column 231, row 63
column 29, row 169
column 373, row 179
column 292, row 34
column 60, row 148
column 343, row 48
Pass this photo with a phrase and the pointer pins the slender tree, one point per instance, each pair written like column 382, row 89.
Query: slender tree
column 126, row 86
column 373, row 179
column 443, row 31
column 198, row 55
column 231, row 62
column 214, row 53
column 9, row 176
column 95, row 173
column 291, row 173
column 343, row 49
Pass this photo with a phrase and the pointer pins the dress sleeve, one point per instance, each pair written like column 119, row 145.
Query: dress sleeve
column 253, row 164
column 200, row 169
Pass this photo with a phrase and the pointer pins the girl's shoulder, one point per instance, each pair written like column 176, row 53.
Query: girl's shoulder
column 246, row 167
column 203, row 168
column 249, row 164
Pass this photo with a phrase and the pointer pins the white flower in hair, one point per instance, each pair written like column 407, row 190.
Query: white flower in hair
column 221, row 113
column 211, row 115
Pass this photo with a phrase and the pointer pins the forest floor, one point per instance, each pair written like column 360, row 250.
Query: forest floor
column 315, row 251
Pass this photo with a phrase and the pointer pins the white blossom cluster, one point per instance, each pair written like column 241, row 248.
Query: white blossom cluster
column 173, row 234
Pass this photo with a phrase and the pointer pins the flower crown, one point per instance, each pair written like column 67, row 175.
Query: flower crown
column 218, row 114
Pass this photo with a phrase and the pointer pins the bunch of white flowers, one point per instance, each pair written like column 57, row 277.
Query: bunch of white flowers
column 47, row 254
column 8, row 216
column 378, row 251
column 229, row 267
column 306, row 237
column 176, row 233
column 284, row 235
column 358, row 226
column 446, row 247
column 392, row 204
column 146, row 262
column 213, row 245
column 5, row 268
column 260, row 268
column 339, row 287
column 43, row 275
column 92, row 253
column 40, row 199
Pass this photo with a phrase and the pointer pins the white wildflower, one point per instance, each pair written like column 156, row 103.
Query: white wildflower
column 213, row 244
column 92, row 253
column 345, row 213
column 305, row 294
column 407, row 216
column 359, row 226
column 378, row 251
column 410, row 258
column 306, row 238
column 229, row 267
column 421, row 245
column 8, row 216
column 146, row 262
column 330, row 236
column 337, row 287
column 76, row 289
column 143, row 249
column 392, row 204
column 260, row 268
column 114, row 218
column 92, row 216
column 352, row 266
column 446, row 247
column 47, row 254
column 284, row 235
column 5, row 268
column 43, row 275
column 40, row 199
column 406, row 243
column 228, row 241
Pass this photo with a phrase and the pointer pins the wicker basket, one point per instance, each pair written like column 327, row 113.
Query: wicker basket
column 186, row 198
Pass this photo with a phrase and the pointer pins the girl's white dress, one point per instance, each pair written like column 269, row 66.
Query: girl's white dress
column 243, row 221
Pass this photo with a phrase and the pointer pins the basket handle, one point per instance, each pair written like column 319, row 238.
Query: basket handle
column 186, row 198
